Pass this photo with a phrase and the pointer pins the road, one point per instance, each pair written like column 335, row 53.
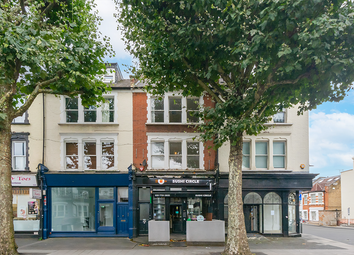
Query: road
column 339, row 234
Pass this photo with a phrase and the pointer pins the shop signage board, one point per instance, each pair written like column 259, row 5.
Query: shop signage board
column 184, row 182
column 36, row 193
column 24, row 180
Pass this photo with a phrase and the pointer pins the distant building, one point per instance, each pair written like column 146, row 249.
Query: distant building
column 347, row 197
column 322, row 204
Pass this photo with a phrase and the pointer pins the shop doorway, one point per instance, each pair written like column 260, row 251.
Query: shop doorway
column 176, row 218
column 251, row 218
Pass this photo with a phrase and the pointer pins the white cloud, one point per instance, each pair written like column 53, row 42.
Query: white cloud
column 331, row 141
column 109, row 25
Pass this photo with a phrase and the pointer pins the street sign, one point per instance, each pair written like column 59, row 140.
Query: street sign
column 300, row 196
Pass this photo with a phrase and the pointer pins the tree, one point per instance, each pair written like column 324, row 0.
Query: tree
column 46, row 46
column 253, row 57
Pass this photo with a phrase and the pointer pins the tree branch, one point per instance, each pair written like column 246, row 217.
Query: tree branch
column 216, row 87
column 22, row 3
column 202, row 84
column 33, row 96
column 225, row 76
column 289, row 81
column 50, row 91
column 6, row 97
column 49, row 7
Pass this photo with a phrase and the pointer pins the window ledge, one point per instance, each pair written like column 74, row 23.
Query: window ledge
column 175, row 170
column 87, row 171
column 20, row 123
column 87, row 124
column 267, row 170
column 278, row 124
column 174, row 124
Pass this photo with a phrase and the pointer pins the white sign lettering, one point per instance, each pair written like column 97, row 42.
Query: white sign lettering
column 24, row 180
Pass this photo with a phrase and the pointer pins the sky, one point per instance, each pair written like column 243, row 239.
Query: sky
column 331, row 124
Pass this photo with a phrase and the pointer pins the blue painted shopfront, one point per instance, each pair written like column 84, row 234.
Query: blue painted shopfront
column 91, row 205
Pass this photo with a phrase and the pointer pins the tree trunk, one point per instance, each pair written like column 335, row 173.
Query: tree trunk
column 7, row 235
column 237, row 242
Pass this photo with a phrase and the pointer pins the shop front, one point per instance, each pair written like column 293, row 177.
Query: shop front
column 86, row 205
column 270, row 202
column 173, row 199
column 26, row 197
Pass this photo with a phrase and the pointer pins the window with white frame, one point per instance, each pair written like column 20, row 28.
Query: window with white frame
column 279, row 117
column 75, row 112
column 279, row 154
column 173, row 109
column 183, row 153
column 23, row 118
column 304, row 215
column 261, row 154
column 19, row 157
column 305, row 199
column 320, row 198
column 313, row 198
column 97, row 152
column 246, row 155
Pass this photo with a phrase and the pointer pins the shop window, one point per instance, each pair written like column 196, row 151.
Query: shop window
column 122, row 194
column 192, row 155
column 175, row 155
column 72, row 155
column 292, row 213
column 75, row 211
column 182, row 154
column 75, row 112
column 246, row 155
column 261, row 154
column 252, row 198
column 26, row 216
column 85, row 153
column 173, row 109
column 159, row 208
column 195, row 206
column 90, row 158
column 144, row 194
column 157, row 110
column 279, row 154
column 272, row 213
column 105, row 193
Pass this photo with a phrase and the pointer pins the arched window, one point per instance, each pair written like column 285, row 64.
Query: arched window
column 272, row 213
column 253, row 198
column 292, row 213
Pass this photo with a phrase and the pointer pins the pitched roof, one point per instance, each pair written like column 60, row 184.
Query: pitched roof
column 320, row 183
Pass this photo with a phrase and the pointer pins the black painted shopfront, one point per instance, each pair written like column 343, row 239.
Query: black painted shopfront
column 270, row 200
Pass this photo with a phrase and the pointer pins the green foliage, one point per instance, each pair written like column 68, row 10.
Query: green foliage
column 50, row 46
column 270, row 55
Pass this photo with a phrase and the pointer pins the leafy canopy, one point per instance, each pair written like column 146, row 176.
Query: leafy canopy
column 253, row 57
column 50, row 46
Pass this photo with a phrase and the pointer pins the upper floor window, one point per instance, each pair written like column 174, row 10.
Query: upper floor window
column 174, row 154
column 246, row 155
column 313, row 198
column 320, row 198
column 279, row 154
column 19, row 152
column 279, row 117
column 261, row 154
column 173, row 109
column 20, row 119
column 75, row 112
column 305, row 199
column 90, row 153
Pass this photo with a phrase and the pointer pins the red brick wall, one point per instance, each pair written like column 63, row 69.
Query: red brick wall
column 140, row 128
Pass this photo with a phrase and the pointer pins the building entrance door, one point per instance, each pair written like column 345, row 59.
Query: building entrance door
column 122, row 219
column 251, row 218
column 176, row 218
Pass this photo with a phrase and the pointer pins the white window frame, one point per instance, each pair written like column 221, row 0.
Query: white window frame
column 313, row 202
column 167, row 108
column 318, row 198
column 284, row 111
column 305, row 199
column 175, row 137
column 110, row 76
column 81, row 139
column 280, row 155
column 247, row 155
column 81, row 110
column 21, row 156
column 262, row 155
column 305, row 213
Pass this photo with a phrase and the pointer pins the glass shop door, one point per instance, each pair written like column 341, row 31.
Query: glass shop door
column 105, row 211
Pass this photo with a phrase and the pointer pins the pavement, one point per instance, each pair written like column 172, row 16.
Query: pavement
column 260, row 245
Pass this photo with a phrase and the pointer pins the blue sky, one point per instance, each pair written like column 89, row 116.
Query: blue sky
column 331, row 124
